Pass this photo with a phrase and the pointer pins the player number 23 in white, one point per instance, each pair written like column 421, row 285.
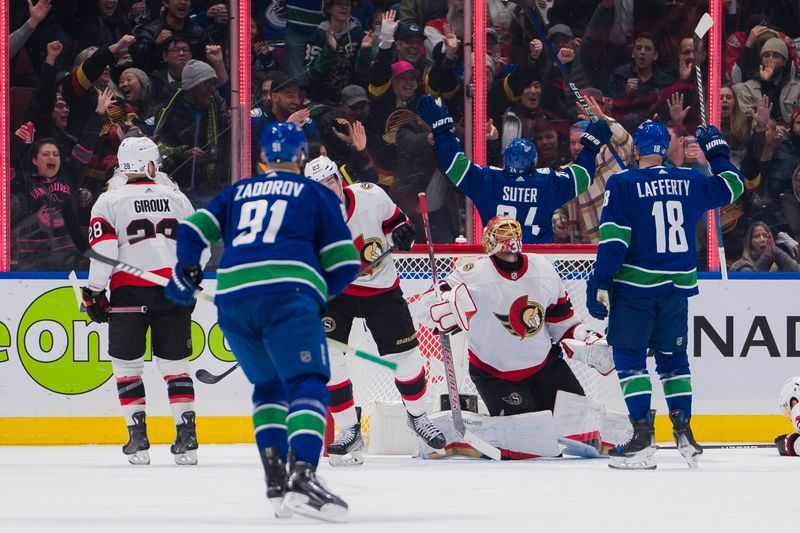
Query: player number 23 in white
column 672, row 238
column 251, row 221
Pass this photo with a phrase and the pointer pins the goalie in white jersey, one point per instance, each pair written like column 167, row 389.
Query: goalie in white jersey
column 375, row 222
column 135, row 221
column 516, row 315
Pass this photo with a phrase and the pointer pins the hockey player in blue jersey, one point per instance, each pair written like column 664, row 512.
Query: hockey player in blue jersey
column 518, row 190
column 646, row 270
column 287, row 249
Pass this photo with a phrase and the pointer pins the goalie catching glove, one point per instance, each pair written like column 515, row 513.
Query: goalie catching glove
column 590, row 348
column 453, row 310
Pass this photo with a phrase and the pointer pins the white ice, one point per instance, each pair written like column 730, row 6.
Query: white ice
column 92, row 489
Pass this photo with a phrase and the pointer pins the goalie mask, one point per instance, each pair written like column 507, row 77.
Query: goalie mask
column 502, row 234
column 789, row 391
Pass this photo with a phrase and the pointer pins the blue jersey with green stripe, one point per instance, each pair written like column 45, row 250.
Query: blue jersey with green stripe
column 529, row 198
column 282, row 232
column 647, row 242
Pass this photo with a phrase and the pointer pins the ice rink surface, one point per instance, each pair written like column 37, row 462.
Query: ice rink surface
column 93, row 489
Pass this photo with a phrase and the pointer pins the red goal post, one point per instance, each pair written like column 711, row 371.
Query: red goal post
column 373, row 385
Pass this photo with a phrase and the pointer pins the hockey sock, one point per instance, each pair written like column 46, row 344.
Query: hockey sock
column 409, row 378
column 180, row 388
column 636, row 389
column 130, row 386
column 342, row 404
column 677, row 386
column 269, row 417
column 305, row 421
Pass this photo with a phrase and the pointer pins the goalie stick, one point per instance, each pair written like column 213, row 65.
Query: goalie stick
column 447, row 354
column 700, row 31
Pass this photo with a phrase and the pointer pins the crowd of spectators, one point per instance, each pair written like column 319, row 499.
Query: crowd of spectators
column 349, row 72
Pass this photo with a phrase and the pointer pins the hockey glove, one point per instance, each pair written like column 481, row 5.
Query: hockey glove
column 712, row 143
column 787, row 444
column 434, row 114
column 597, row 302
column 596, row 135
column 403, row 236
column 96, row 304
column 183, row 283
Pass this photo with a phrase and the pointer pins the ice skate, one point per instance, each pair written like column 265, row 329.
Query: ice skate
column 308, row 496
column 184, row 449
column 427, row 431
column 348, row 448
column 639, row 453
column 276, row 476
column 684, row 439
column 137, row 445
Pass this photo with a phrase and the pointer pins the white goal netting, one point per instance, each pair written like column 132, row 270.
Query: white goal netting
column 374, row 385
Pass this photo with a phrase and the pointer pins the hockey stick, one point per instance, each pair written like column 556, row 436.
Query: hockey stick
column 574, row 88
column 700, row 32
column 375, row 262
column 207, row 377
column 723, row 446
column 73, row 278
column 447, row 354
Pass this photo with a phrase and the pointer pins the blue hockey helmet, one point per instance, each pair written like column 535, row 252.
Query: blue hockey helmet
column 651, row 138
column 519, row 156
column 282, row 142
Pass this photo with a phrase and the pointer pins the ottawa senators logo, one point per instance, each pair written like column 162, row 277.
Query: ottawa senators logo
column 525, row 318
column 369, row 250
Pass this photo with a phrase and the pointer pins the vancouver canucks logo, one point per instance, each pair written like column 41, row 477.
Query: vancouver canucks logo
column 525, row 318
column 369, row 250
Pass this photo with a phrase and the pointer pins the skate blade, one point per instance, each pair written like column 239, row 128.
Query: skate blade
column 644, row 460
column 141, row 457
column 330, row 512
column 188, row 458
column 691, row 454
column 279, row 510
column 354, row 458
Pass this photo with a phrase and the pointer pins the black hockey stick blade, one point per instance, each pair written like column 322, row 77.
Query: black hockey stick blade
column 208, row 378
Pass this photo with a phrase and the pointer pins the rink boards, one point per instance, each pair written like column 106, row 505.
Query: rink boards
column 56, row 383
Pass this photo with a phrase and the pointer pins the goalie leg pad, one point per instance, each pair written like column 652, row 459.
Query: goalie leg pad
column 523, row 436
column 578, row 420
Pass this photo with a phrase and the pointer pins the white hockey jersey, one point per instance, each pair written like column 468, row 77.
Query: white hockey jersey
column 519, row 316
column 137, row 224
column 371, row 216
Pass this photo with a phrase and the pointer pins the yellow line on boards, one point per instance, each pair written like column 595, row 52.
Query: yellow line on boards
column 239, row 429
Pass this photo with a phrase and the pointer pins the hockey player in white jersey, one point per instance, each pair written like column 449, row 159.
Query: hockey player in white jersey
column 516, row 316
column 376, row 224
column 135, row 221
column 789, row 444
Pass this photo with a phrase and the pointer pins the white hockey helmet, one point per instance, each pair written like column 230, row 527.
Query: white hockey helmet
column 321, row 168
column 789, row 391
column 135, row 154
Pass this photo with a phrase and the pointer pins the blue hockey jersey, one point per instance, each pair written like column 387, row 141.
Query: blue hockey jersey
column 647, row 242
column 281, row 232
column 531, row 198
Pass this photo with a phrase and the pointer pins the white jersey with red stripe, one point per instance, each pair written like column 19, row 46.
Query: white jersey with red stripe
column 136, row 223
column 371, row 217
column 520, row 314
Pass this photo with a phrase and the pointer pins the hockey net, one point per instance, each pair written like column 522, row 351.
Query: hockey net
column 374, row 386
